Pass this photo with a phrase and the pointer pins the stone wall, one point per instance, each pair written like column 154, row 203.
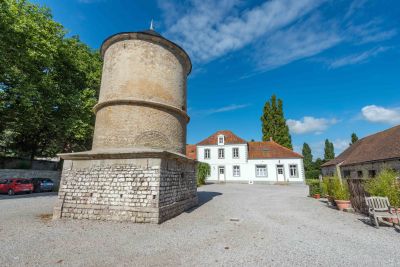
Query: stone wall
column 148, row 190
column 353, row 171
column 365, row 168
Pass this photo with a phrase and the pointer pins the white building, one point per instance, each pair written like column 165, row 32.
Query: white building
column 232, row 159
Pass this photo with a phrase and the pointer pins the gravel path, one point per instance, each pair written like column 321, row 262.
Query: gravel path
column 277, row 226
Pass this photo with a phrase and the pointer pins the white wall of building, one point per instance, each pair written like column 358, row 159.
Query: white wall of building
column 247, row 167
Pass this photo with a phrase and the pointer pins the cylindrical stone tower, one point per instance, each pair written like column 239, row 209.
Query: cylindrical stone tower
column 142, row 99
column 137, row 169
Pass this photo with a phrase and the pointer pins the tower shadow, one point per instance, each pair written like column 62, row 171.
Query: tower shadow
column 203, row 198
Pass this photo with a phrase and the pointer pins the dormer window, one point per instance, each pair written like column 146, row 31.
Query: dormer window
column 221, row 140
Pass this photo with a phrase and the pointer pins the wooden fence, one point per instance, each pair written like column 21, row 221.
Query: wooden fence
column 357, row 194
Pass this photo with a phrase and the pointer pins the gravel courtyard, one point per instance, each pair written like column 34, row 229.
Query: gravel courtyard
column 234, row 225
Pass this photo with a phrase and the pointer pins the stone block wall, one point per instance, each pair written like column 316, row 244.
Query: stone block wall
column 143, row 190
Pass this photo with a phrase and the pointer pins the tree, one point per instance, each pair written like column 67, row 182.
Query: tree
column 329, row 151
column 274, row 123
column 354, row 138
column 307, row 157
column 203, row 170
column 48, row 83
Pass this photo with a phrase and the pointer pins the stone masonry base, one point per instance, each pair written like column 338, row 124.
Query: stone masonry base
column 141, row 189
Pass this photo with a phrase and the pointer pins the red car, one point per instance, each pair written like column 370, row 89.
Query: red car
column 12, row 186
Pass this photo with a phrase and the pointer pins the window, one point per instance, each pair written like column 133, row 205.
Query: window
column 372, row 173
column 293, row 171
column 3, row 181
column 207, row 153
column 346, row 174
column 236, row 171
column 235, row 152
column 261, row 170
column 359, row 174
column 221, row 153
column 221, row 140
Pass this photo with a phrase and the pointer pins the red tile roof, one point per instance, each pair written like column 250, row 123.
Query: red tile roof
column 229, row 138
column 191, row 151
column 377, row 147
column 270, row 150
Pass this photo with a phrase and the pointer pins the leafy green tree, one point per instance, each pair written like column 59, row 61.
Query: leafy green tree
column 48, row 83
column 354, row 138
column 307, row 157
column 329, row 151
column 274, row 123
column 203, row 170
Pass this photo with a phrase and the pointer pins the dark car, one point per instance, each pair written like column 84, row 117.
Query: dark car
column 42, row 184
column 12, row 186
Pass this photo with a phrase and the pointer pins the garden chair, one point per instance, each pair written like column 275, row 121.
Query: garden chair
column 379, row 207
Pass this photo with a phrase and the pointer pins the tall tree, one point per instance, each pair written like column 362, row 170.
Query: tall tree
column 307, row 157
column 354, row 138
column 274, row 123
column 48, row 83
column 329, row 151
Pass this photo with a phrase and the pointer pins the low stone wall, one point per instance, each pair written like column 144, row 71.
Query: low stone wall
column 21, row 173
column 144, row 190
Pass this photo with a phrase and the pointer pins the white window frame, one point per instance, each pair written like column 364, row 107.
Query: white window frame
column 297, row 170
column 207, row 155
column 221, row 140
column 233, row 152
column 261, row 166
column 237, row 172
column 221, row 155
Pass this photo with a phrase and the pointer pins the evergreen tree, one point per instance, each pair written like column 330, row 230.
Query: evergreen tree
column 308, row 157
column 329, row 151
column 354, row 138
column 274, row 123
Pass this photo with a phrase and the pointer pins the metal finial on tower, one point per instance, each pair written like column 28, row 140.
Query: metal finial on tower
column 151, row 25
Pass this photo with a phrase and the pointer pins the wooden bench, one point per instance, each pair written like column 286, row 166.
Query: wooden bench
column 379, row 207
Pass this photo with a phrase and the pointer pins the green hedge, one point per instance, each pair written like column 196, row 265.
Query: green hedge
column 313, row 186
column 312, row 174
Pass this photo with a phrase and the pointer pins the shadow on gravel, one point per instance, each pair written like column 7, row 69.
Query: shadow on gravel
column 368, row 222
column 204, row 197
column 46, row 194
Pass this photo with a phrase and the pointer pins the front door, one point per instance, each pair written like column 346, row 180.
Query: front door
column 221, row 174
column 280, row 173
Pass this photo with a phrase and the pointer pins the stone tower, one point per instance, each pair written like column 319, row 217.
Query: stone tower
column 137, row 169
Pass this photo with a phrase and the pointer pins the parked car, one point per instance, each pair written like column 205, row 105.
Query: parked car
column 42, row 184
column 12, row 186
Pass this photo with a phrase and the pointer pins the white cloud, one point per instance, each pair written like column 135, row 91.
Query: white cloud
column 277, row 32
column 358, row 58
column 301, row 40
column 214, row 28
column 309, row 124
column 211, row 111
column 375, row 113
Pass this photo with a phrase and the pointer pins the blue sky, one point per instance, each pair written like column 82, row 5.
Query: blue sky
column 335, row 64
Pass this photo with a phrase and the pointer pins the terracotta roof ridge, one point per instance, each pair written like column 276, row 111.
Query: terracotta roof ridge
column 272, row 141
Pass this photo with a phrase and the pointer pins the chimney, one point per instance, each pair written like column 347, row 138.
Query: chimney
column 270, row 139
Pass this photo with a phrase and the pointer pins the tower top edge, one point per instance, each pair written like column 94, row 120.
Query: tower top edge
column 150, row 36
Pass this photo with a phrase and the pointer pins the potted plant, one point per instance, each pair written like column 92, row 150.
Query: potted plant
column 386, row 184
column 327, row 189
column 341, row 194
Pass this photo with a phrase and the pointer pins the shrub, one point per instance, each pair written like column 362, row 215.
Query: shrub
column 203, row 170
column 312, row 174
column 385, row 185
column 313, row 186
column 327, row 186
column 340, row 190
